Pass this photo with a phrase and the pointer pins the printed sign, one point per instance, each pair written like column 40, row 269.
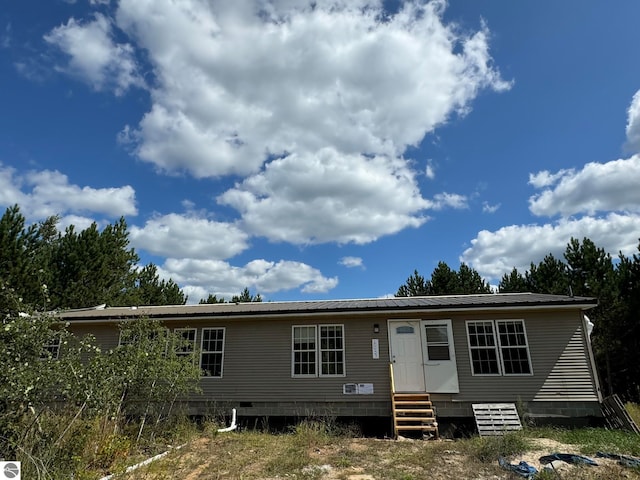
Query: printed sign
column 357, row 389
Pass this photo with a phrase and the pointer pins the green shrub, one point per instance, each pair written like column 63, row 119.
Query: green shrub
column 488, row 449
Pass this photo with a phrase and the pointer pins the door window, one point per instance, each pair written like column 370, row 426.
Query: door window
column 437, row 342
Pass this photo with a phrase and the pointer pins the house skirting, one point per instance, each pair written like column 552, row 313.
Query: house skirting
column 531, row 410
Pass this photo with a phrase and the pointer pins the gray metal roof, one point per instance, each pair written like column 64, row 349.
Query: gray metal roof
column 267, row 309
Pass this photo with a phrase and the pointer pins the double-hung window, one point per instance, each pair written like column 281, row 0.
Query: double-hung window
column 498, row 347
column 317, row 350
column 514, row 349
column 52, row 349
column 188, row 336
column 131, row 337
column 212, row 352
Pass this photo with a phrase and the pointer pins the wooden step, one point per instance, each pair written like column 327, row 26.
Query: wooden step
column 426, row 411
column 417, row 396
column 424, row 420
column 424, row 428
column 412, row 411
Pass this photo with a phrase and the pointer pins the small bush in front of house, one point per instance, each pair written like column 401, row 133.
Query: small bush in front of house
column 488, row 449
column 66, row 406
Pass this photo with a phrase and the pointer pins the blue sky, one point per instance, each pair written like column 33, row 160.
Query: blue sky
column 325, row 149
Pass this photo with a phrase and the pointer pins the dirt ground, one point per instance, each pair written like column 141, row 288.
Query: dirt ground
column 229, row 457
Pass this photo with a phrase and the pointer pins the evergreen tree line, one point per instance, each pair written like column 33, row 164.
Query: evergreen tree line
column 586, row 270
column 49, row 269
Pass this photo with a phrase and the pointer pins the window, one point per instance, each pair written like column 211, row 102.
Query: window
column 52, row 349
column 304, row 351
column 498, row 347
column 189, row 336
column 437, row 340
column 212, row 352
column 513, row 347
column 482, row 346
column 131, row 336
column 318, row 350
column 331, row 350
column 405, row 330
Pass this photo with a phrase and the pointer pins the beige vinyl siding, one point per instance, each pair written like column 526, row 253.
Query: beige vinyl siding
column 560, row 362
column 258, row 365
column 258, row 355
column 571, row 375
column 107, row 336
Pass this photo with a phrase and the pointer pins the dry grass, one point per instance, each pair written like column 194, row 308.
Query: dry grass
column 312, row 453
column 634, row 412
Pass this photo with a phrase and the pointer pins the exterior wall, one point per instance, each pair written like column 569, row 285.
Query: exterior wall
column 559, row 359
column 257, row 363
column 257, row 375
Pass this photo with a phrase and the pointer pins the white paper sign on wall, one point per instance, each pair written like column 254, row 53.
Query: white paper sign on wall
column 375, row 348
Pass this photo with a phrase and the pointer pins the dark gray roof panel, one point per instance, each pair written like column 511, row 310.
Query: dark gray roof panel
column 448, row 302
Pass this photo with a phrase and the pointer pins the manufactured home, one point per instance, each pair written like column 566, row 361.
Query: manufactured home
column 366, row 358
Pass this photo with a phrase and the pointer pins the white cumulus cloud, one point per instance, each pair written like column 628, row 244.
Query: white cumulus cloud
column 495, row 253
column 326, row 197
column 238, row 82
column 189, row 236
column 43, row 193
column 267, row 90
column 430, row 171
column 597, row 187
column 198, row 278
column 94, row 56
column 351, row 262
column 488, row 208
column 546, row 179
column 448, row 200
column 633, row 124
column 601, row 202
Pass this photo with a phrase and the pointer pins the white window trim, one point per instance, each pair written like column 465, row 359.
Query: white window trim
column 202, row 350
column 195, row 338
column 498, row 348
column 318, row 351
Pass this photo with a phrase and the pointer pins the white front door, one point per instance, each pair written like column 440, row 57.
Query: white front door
column 439, row 356
column 405, row 339
column 423, row 356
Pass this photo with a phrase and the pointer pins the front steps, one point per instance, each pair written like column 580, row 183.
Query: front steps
column 413, row 412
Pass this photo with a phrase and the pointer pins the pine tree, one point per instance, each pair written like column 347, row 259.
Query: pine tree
column 549, row 276
column 150, row 290
column 513, row 282
column 246, row 297
column 415, row 286
column 211, row 299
